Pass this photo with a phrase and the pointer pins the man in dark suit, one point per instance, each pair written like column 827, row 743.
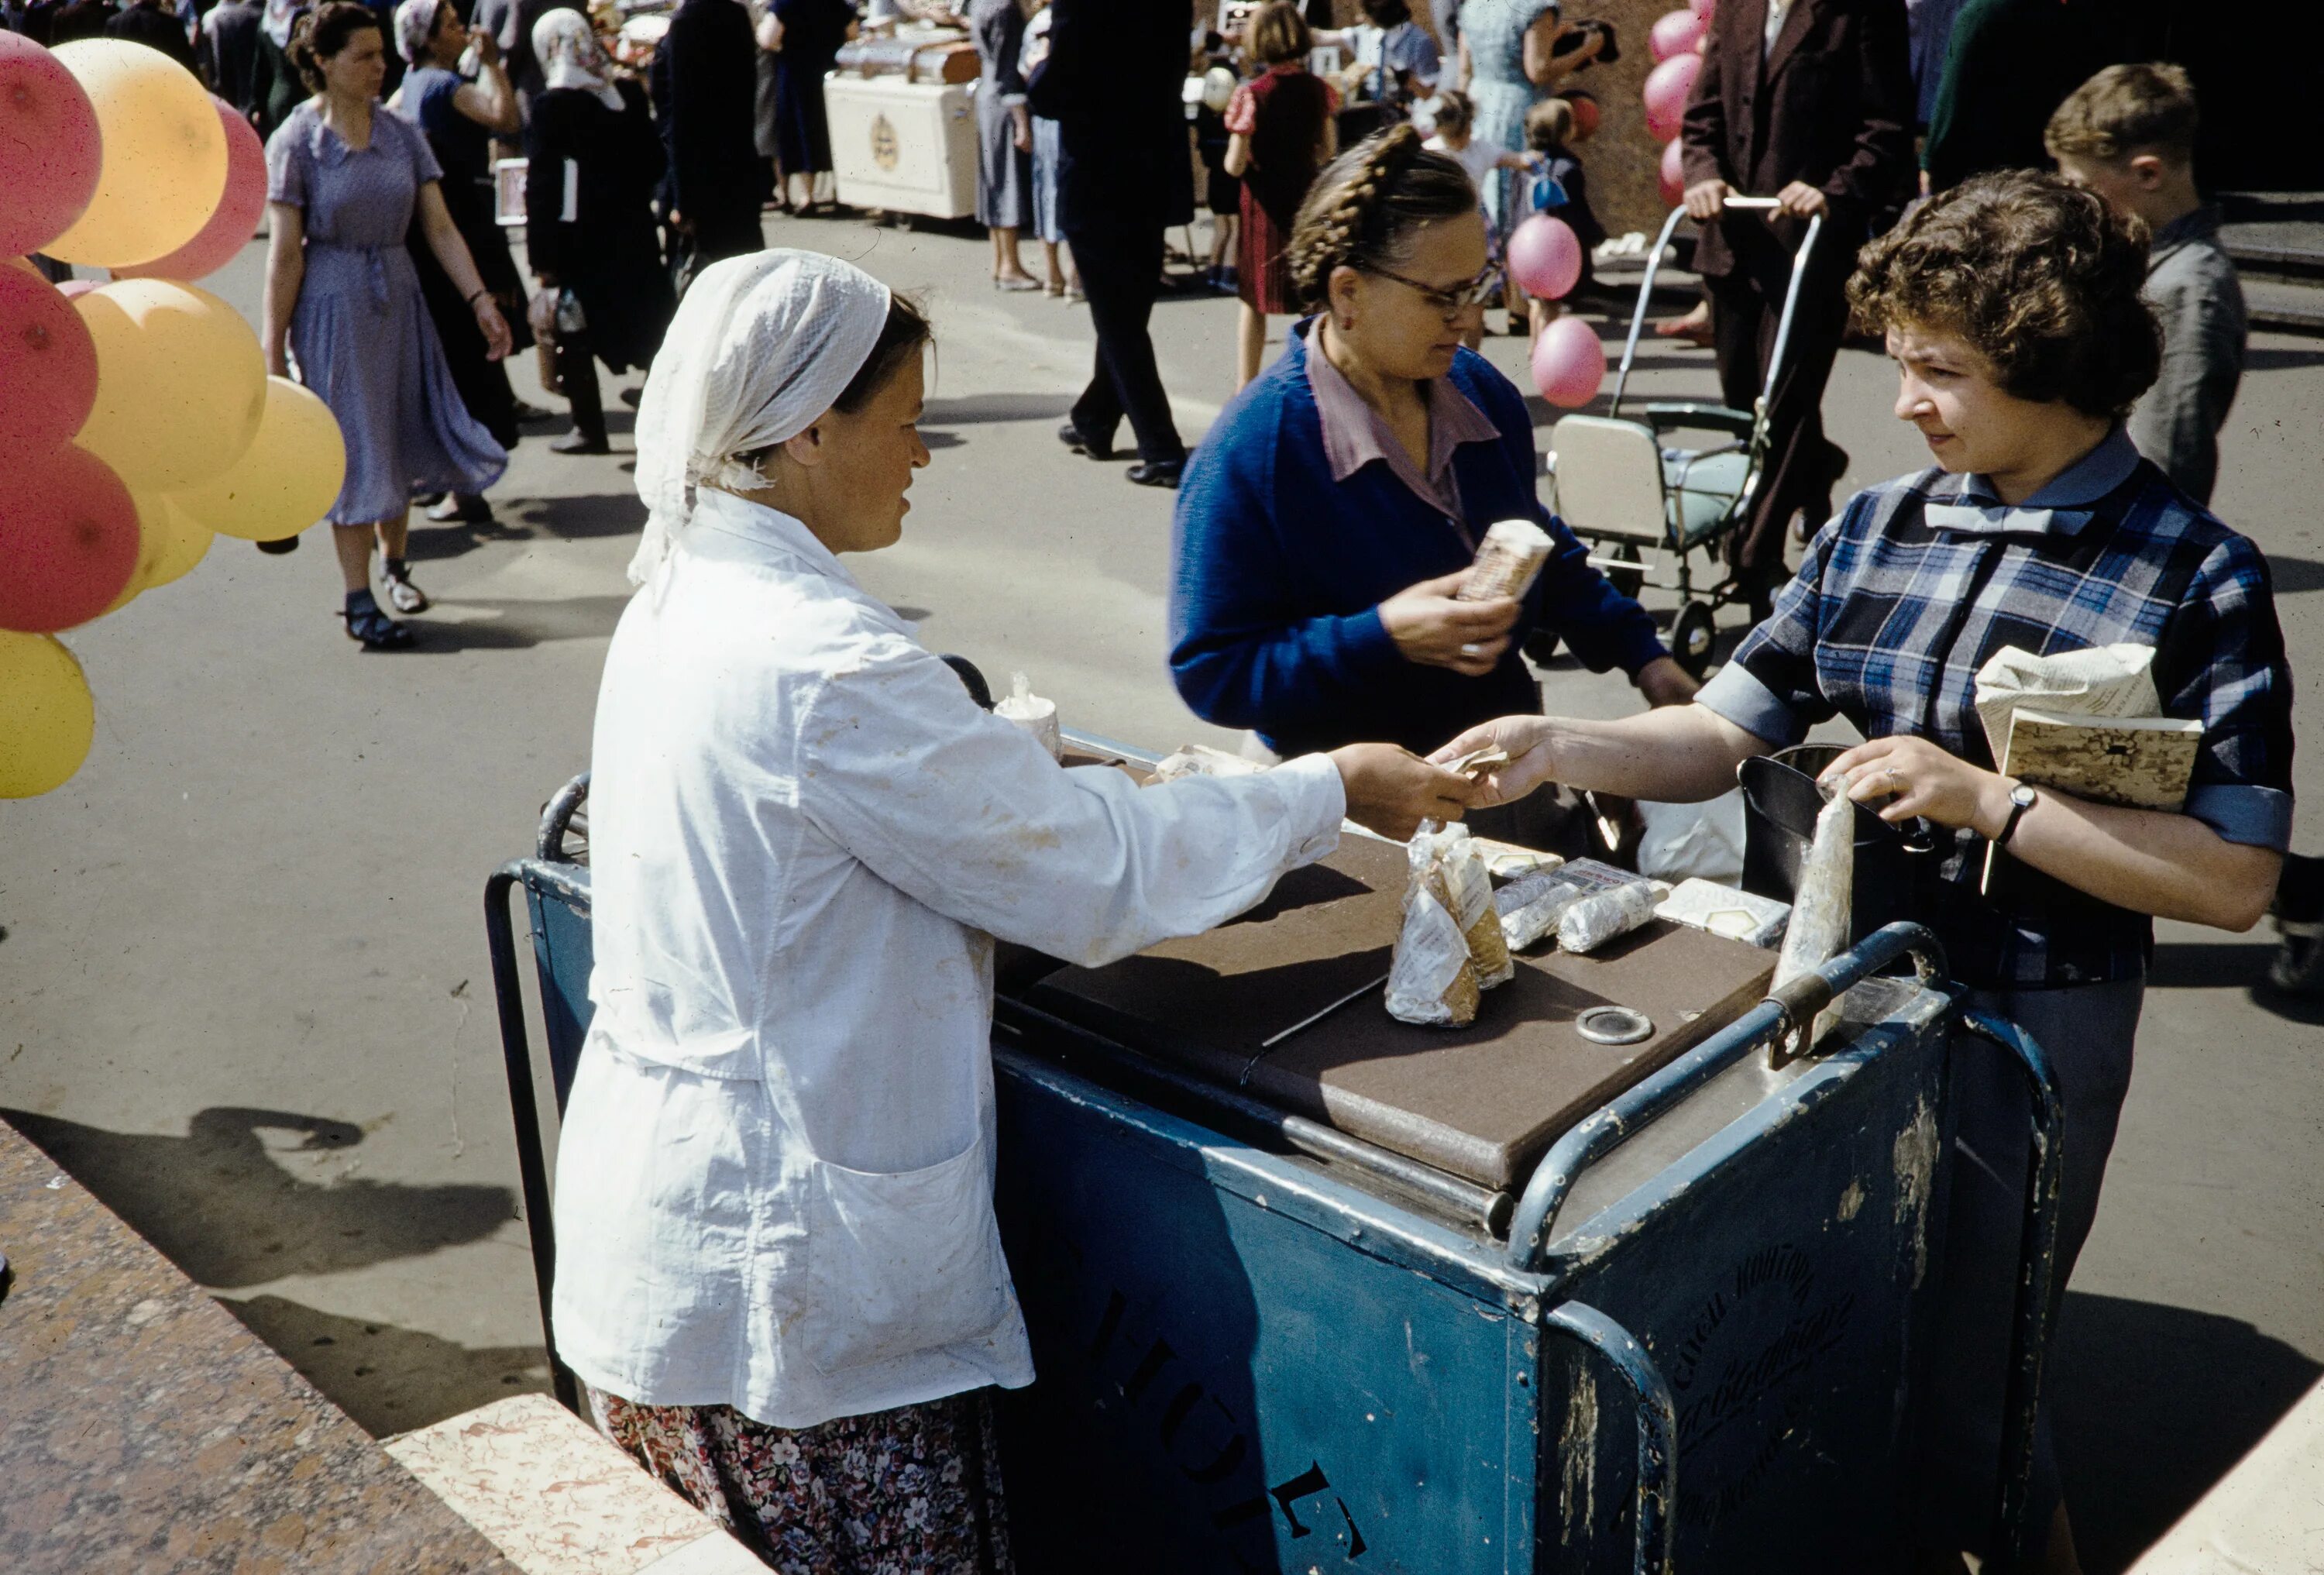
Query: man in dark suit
column 1809, row 102
column 1112, row 82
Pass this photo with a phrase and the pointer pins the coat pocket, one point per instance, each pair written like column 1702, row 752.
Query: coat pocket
column 903, row 1262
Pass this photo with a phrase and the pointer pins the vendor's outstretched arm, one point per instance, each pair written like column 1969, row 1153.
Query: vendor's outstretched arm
column 967, row 814
column 1677, row 754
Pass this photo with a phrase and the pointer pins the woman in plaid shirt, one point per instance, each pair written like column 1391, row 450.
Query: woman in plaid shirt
column 2011, row 306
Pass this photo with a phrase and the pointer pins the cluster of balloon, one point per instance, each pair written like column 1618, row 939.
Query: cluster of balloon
column 1675, row 41
column 140, row 418
column 1545, row 259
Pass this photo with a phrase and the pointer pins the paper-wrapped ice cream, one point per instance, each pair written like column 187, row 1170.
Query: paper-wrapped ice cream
column 1508, row 561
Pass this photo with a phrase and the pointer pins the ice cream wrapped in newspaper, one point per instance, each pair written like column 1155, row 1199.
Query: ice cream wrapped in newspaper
column 1508, row 561
column 1451, row 948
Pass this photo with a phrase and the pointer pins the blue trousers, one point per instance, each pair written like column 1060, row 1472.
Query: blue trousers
column 2087, row 1031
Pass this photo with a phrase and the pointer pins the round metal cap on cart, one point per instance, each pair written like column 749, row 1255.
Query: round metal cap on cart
column 1614, row 1025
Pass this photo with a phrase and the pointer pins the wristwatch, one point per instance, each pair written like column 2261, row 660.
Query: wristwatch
column 2020, row 799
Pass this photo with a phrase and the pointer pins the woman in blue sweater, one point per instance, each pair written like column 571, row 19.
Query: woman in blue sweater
column 1325, row 521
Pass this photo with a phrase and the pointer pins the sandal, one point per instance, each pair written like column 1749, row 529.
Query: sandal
column 372, row 629
column 401, row 594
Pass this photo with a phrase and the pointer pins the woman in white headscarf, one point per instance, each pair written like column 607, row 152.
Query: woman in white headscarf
column 778, row 1273
column 593, row 161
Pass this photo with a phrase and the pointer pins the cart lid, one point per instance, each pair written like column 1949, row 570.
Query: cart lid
column 1481, row 1102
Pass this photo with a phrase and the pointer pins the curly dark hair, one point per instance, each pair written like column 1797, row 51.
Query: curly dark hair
column 2042, row 277
column 323, row 32
column 1362, row 209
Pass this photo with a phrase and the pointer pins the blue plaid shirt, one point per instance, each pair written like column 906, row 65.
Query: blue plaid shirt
column 1919, row 581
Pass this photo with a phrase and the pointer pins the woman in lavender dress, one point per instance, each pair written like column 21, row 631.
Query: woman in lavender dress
column 343, row 181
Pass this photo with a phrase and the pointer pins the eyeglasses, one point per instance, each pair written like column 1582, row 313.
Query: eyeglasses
column 1476, row 292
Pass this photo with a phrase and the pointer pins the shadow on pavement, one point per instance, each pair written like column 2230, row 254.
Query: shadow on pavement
column 2292, row 576
column 996, row 407
column 2152, row 1405
column 515, row 625
column 588, row 517
column 2277, row 358
column 225, row 1206
column 388, row 1379
column 2208, row 964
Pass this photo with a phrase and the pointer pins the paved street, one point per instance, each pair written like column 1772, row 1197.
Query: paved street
column 243, row 985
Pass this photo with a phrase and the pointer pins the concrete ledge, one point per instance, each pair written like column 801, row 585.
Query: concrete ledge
column 558, row 1498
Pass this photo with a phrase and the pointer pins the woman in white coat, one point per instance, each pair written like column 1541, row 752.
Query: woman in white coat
column 778, row 1273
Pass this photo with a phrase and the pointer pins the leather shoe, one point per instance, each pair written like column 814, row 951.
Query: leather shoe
column 1071, row 436
column 1161, row 472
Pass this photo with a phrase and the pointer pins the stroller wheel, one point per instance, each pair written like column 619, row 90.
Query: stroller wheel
column 1693, row 635
column 1629, row 582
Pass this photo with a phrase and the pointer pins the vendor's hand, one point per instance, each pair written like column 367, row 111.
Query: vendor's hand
column 498, row 341
column 1802, row 200
column 1665, row 683
column 1918, row 779
column 1525, row 740
column 1705, row 201
column 1392, row 790
column 1431, row 628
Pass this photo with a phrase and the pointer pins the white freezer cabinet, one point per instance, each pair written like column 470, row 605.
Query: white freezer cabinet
column 909, row 147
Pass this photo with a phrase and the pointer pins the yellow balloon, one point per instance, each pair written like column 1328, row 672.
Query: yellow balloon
column 46, row 715
column 164, row 168
column 180, row 381
column 170, row 542
column 285, row 481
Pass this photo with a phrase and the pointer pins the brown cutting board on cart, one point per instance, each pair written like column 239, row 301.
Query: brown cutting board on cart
column 1481, row 1102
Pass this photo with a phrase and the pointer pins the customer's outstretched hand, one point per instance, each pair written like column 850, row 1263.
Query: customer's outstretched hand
column 1525, row 740
column 1392, row 790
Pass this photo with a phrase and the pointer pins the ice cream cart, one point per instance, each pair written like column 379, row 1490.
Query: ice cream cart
column 1313, row 1291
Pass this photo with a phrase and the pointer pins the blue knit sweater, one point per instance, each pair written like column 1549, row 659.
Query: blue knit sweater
column 1280, row 571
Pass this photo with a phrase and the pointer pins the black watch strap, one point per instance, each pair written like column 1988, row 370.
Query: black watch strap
column 2020, row 799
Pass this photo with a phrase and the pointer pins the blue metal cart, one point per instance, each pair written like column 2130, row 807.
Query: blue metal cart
column 1263, row 1345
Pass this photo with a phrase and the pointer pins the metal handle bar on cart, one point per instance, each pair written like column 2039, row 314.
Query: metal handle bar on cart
column 1783, row 327
column 1795, row 1006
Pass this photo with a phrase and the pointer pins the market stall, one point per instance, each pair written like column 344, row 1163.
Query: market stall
column 1588, row 1284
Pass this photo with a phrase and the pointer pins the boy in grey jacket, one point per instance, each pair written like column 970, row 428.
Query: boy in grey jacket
column 2128, row 135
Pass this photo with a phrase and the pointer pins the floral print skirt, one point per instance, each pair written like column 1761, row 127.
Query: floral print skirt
column 914, row 1491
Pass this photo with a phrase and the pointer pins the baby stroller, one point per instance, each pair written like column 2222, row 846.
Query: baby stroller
column 1624, row 487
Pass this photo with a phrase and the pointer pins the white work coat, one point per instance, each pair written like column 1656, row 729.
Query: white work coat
column 774, row 1185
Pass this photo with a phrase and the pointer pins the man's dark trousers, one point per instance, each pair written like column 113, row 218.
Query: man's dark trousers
column 1120, row 264
column 1746, row 306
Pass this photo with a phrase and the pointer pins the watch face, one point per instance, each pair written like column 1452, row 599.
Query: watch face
column 2021, row 796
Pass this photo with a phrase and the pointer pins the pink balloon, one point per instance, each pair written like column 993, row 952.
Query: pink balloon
column 1569, row 363
column 1544, row 257
column 1672, row 176
column 50, row 148
column 69, row 540
column 220, row 240
column 48, row 364
column 1677, row 33
column 1585, row 113
column 1667, row 87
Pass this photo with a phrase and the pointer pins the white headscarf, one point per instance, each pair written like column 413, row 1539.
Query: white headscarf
column 415, row 24
column 761, row 345
column 566, row 46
